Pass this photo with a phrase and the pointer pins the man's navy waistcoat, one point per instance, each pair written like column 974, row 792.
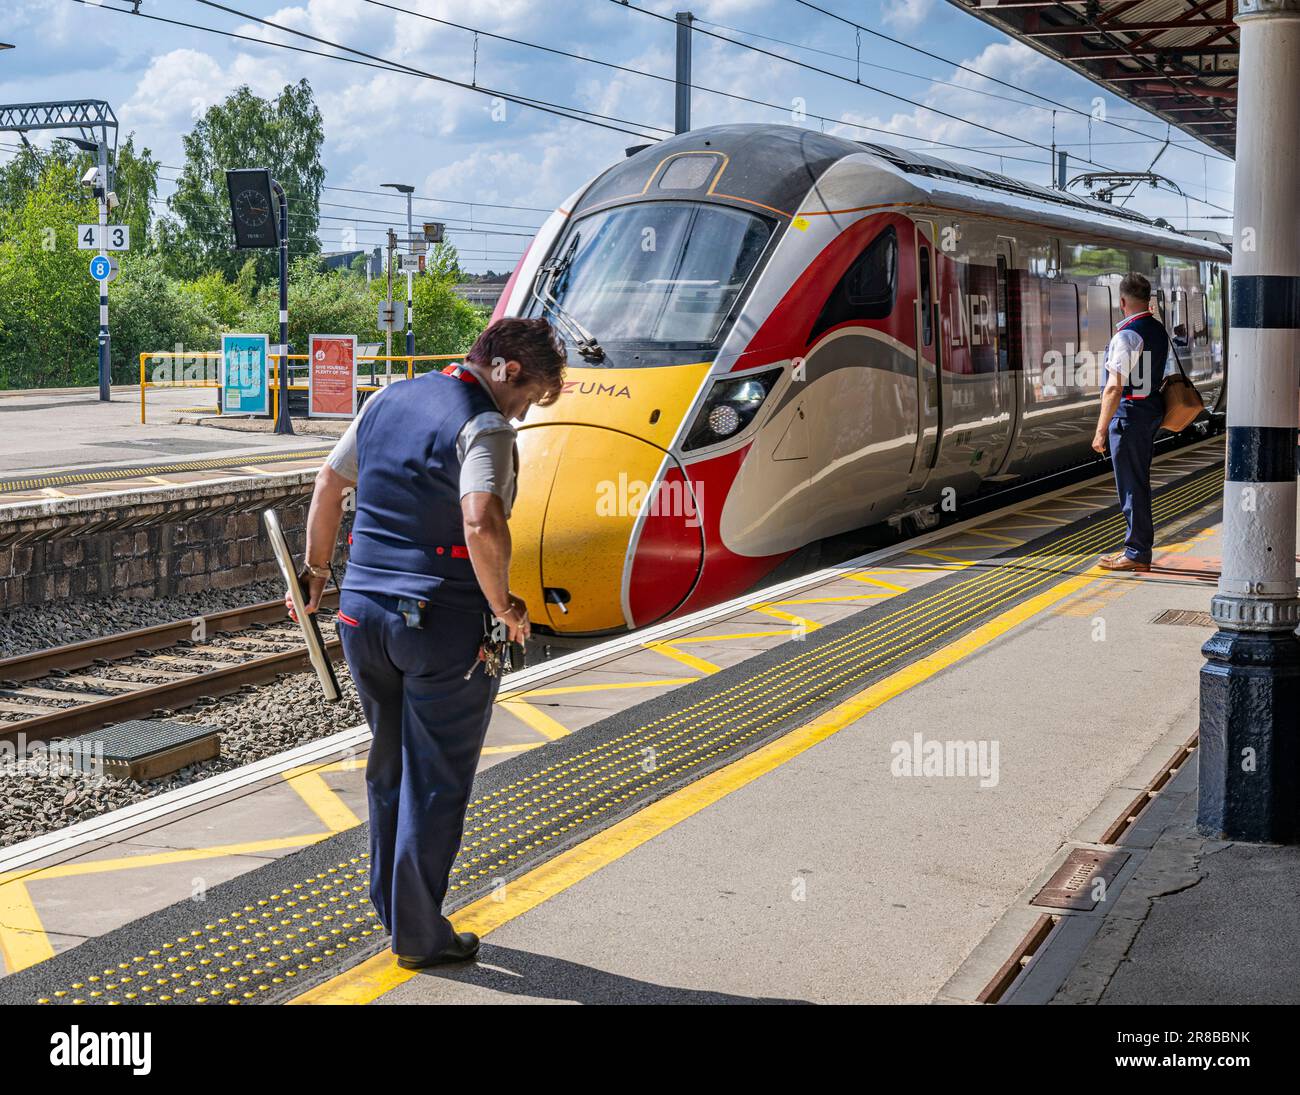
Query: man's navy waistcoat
column 1146, row 377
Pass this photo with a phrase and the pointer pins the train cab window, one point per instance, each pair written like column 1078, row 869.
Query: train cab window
column 927, row 308
column 867, row 289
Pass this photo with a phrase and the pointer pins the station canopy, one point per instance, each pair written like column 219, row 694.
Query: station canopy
column 1174, row 58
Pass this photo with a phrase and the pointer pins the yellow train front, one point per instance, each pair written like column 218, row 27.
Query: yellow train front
column 776, row 336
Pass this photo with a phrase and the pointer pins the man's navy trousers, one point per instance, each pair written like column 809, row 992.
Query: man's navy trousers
column 1132, row 440
column 428, row 723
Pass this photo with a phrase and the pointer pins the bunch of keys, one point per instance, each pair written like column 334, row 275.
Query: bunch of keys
column 497, row 654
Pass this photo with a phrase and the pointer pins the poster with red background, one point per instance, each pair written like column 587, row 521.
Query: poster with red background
column 331, row 376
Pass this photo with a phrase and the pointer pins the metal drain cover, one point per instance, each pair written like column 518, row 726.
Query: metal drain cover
column 140, row 749
column 1185, row 616
column 1075, row 885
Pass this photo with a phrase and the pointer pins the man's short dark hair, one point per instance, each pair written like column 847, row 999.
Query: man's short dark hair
column 1135, row 287
column 531, row 342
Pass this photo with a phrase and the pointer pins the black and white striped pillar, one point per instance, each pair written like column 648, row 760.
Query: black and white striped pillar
column 1250, row 683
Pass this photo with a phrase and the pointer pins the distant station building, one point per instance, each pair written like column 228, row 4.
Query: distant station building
column 483, row 293
column 343, row 260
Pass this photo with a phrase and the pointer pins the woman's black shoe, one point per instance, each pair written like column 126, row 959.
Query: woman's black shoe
column 461, row 949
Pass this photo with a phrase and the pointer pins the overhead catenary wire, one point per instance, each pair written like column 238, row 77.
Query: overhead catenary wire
column 1053, row 103
column 893, row 95
column 577, row 114
column 371, row 60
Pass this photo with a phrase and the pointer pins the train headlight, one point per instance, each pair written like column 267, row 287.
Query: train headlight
column 730, row 407
column 724, row 420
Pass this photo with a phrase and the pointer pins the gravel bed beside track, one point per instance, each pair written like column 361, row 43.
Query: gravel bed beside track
column 253, row 724
column 25, row 630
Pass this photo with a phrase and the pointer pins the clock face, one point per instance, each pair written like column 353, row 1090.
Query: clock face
column 252, row 208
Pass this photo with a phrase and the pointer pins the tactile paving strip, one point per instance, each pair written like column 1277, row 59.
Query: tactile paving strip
column 112, row 474
column 302, row 919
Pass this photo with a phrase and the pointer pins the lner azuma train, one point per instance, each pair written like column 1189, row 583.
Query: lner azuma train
column 776, row 336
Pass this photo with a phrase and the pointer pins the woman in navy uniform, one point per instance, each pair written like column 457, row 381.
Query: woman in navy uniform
column 434, row 465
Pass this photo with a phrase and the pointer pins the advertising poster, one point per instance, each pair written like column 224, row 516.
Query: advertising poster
column 331, row 379
column 244, row 365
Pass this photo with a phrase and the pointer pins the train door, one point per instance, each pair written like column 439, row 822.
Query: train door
column 929, row 371
column 1009, row 364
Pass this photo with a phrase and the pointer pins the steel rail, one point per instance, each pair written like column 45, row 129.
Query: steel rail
column 101, row 711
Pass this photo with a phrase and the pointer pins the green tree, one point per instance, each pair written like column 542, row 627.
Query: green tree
column 49, row 307
column 135, row 182
column 340, row 302
column 283, row 135
column 49, row 320
column 226, row 302
column 152, row 312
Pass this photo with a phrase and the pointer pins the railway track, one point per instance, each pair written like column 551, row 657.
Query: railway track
column 74, row 689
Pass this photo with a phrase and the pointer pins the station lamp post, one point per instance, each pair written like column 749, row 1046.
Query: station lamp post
column 402, row 188
column 1249, row 761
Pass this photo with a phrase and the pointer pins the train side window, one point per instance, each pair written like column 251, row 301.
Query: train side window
column 1200, row 326
column 1178, row 327
column 927, row 309
column 1100, row 317
column 867, row 289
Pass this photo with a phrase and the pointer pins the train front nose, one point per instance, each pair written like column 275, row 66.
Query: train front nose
column 581, row 489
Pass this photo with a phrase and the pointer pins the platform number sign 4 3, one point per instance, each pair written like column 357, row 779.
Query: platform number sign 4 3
column 111, row 237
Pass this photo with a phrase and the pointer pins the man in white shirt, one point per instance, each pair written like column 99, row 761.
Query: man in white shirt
column 1131, row 412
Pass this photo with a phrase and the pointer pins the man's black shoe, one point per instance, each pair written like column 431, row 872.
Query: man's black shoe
column 462, row 948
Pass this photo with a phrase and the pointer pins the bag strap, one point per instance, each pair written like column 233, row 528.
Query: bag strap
column 1177, row 361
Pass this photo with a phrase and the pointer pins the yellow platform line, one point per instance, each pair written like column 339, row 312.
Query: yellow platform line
column 863, row 576
column 688, row 660
column 539, row 720
column 565, row 690
column 518, row 747
column 834, row 600
column 802, row 625
column 1009, row 540
column 944, row 557
column 379, row 975
column 23, row 940
column 310, row 784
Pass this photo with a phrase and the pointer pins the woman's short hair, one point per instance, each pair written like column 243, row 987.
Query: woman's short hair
column 531, row 342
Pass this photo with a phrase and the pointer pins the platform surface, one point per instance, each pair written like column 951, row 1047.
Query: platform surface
column 67, row 443
column 807, row 869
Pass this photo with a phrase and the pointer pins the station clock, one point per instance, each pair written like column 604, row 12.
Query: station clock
column 253, row 208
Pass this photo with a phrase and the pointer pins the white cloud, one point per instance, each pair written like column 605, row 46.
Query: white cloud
column 178, row 87
column 906, row 14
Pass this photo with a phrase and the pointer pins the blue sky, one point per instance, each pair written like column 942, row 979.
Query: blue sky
column 461, row 146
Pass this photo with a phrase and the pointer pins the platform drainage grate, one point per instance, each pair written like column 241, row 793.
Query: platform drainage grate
column 1081, row 882
column 1186, row 616
column 141, row 749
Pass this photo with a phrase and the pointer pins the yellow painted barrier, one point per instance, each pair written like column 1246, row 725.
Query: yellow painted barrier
column 407, row 364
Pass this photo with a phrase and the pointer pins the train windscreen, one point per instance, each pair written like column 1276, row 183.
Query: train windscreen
column 658, row 272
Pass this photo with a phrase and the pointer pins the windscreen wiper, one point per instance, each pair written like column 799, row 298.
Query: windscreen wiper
column 549, row 273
